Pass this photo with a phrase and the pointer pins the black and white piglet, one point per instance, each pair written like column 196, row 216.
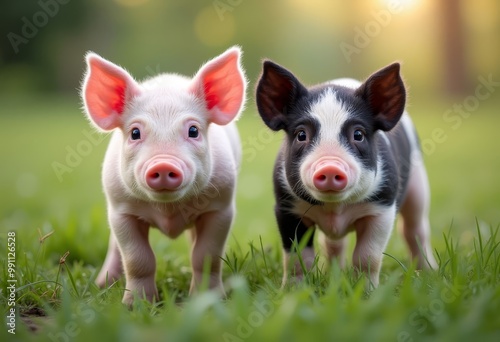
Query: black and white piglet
column 350, row 160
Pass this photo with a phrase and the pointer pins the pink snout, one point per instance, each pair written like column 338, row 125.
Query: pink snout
column 330, row 176
column 164, row 175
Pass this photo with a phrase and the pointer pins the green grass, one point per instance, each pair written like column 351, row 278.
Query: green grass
column 57, row 298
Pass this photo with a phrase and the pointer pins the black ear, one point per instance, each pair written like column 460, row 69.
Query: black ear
column 277, row 90
column 385, row 93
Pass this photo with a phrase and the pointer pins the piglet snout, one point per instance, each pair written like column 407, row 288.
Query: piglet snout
column 330, row 175
column 164, row 175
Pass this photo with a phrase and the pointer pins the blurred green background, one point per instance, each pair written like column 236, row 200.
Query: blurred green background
column 438, row 41
column 447, row 48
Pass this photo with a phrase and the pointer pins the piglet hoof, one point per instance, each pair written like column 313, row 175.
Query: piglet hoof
column 131, row 296
column 215, row 285
column 137, row 289
column 370, row 283
column 106, row 279
column 295, row 268
column 219, row 290
column 426, row 263
column 292, row 281
column 128, row 299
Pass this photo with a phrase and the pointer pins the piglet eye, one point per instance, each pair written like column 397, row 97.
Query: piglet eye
column 135, row 134
column 193, row 132
column 301, row 135
column 358, row 135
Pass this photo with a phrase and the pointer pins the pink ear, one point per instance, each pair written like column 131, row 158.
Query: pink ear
column 106, row 90
column 221, row 84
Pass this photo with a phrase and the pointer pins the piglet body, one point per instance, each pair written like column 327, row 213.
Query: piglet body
column 171, row 163
column 350, row 160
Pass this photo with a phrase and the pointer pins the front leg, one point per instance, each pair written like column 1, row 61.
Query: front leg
column 372, row 235
column 138, row 258
column 292, row 228
column 209, row 240
column 333, row 249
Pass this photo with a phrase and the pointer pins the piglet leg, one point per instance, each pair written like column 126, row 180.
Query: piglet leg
column 333, row 249
column 138, row 258
column 415, row 212
column 293, row 269
column 294, row 229
column 209, row 238
column 372, row 235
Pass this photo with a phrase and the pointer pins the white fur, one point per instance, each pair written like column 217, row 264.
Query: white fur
column 346, row 82
column 332, row 114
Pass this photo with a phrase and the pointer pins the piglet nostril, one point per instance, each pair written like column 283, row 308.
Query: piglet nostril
column 330, row 177
column 165, row 175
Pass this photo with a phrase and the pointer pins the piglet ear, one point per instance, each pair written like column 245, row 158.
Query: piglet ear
column 385, row 93
column 221, row 84
column 107, row 89
column 277, row 90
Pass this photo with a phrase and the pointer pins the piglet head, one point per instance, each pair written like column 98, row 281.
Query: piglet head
column 162, row 124
column 330, row 151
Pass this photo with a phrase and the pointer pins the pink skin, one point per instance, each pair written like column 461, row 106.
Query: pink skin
column 330, row 175
column 164, row 174
column 163, row 177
